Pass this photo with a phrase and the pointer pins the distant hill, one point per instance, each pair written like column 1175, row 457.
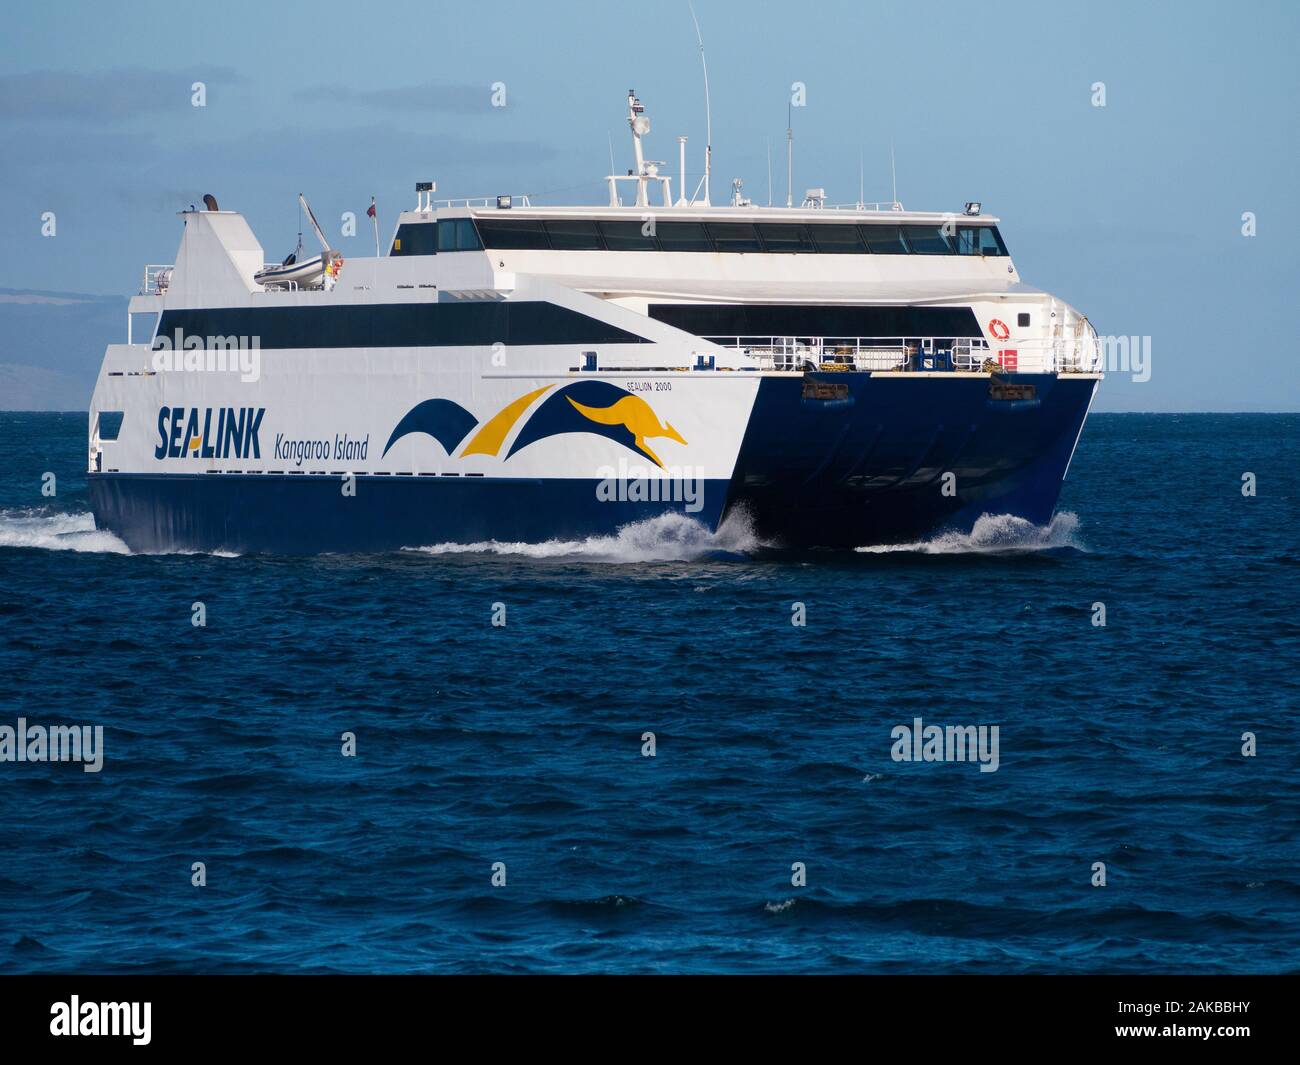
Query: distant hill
column 51, row 345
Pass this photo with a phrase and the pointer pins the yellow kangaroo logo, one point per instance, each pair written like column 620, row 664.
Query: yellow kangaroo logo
column 636, row 416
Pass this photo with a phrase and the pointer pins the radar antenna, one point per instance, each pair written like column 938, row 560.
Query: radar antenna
column 647, row 170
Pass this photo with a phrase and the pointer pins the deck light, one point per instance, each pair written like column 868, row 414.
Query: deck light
column 503, row 203
column 973, row 208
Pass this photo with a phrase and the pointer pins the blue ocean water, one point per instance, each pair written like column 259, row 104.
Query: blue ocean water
column 522, row 744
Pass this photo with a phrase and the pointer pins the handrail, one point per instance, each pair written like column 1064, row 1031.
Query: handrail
column 481, row 201
column 970, row 354
column 878, row 205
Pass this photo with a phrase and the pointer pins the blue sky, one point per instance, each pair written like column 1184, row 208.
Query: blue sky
column 1131, row 212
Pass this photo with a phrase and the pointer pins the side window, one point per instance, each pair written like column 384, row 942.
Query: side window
column 928, row 240
column 574, row 235
column 447, row 235
column 467, row 238
column 884, row 240
column 518, row 233
column 979, row 240
column 683, row 236
column 836, row 239
column 734, row 236
column 110, row 424
column 627, row 236
column 783, row 237
column 1022, row 320
column 416, row 239
column 991, row 241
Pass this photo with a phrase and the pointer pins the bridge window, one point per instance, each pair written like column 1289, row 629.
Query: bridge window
column 734, row 236
column 929, row 240
column 780, row 237
column 577, row 234
column 683, row 236
column 574, row 235
column 516, row 233
column 416, row 238
column 458, row 234
column 836, row 239
column 980, row 240
column 885, row 240
column 627, row 236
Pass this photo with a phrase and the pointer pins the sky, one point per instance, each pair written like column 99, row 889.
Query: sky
column 1131, row 211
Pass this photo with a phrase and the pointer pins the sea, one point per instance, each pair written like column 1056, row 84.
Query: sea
column 647, row 764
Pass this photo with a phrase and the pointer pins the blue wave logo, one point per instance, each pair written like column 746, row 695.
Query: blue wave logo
column 447, row 422
column 595, row 407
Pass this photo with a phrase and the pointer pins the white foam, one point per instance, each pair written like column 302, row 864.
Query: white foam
column 669, row 537
column 56, row 531
column 995, row 534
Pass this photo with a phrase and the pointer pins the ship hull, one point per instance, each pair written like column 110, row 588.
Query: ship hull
column 283, row 514
column 849, row 460
column 827, row 460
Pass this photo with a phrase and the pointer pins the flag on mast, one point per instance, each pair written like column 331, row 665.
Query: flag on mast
column 374, row 217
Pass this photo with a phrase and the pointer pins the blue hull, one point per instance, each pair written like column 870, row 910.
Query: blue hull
column 833, row 460
column 286, row 514
column 861, row 460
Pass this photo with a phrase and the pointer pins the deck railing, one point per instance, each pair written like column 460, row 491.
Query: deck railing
column 514, row 199
column 961, row 354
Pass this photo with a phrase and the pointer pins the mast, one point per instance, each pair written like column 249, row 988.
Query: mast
column 708, row 111
column 681, row 167
column 789, row 155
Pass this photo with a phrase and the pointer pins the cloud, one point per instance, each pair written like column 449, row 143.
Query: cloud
column 428, row 98
column 102, row 96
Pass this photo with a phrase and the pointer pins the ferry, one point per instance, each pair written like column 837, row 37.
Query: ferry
column 844, row 375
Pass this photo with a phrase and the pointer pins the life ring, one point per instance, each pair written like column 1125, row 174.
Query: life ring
column 999, row 329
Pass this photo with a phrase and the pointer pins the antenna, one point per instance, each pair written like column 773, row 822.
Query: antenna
column 789, row 155
column 861, row 204
column 769, row 171
column 708, row 111
column 681, row 163
column 893, row 176
column 613, row 192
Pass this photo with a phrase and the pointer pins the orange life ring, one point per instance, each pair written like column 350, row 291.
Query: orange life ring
column 996, row 325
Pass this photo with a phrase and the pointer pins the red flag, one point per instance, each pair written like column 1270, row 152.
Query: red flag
column 371, row 209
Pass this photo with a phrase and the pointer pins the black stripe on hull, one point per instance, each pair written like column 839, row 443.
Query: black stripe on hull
column 798, row 320
column 396, row 325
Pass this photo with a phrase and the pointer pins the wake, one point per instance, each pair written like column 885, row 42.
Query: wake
column 669, row 537
column 56, row 532
column 995, row 534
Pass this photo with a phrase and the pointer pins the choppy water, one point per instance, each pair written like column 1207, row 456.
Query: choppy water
column 522, row 745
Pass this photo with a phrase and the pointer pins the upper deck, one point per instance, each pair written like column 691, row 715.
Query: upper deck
column 720, row 252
